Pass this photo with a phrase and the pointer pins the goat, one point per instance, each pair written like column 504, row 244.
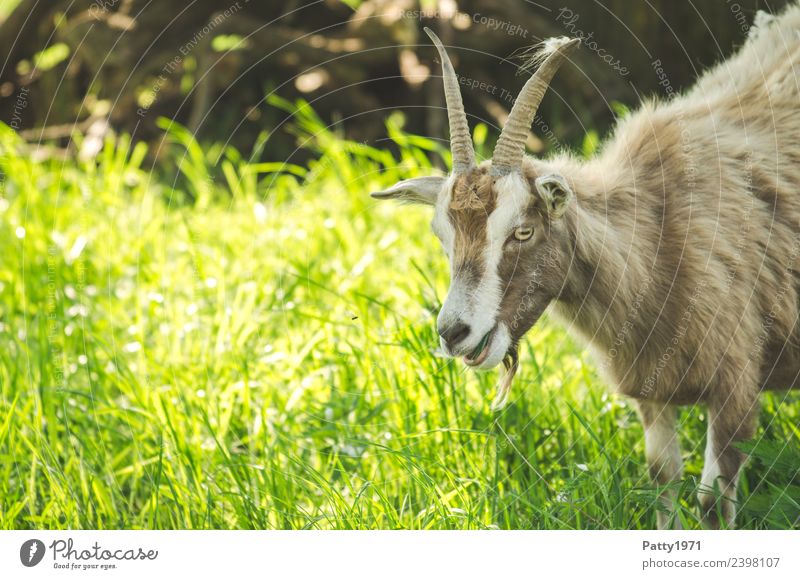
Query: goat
column 672, row 252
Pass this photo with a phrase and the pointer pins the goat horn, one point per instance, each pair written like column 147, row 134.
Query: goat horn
column 460, row 139
column 510, row 148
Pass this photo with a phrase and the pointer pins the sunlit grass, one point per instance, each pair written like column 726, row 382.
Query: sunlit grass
column 232, row 344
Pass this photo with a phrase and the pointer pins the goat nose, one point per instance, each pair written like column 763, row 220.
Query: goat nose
column 454, row 333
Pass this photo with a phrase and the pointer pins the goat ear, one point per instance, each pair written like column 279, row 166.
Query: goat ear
column 555, row 192
column 418, row 190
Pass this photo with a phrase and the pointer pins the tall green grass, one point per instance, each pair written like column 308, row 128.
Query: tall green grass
column 229, row 343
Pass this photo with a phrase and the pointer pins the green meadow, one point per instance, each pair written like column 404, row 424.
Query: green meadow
column 218, row 342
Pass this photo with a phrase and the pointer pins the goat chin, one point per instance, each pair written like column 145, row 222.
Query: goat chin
column 498, row 348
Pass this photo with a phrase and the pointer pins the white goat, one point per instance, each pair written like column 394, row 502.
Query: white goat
column 673, row 252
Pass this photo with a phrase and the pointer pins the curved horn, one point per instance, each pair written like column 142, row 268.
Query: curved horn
column 510, row 147
column 460, row 139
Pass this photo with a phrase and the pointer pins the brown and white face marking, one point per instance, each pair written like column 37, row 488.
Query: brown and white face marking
column 505, row 250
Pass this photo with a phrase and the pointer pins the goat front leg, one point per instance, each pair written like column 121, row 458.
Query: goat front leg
column 663, row 456
column 729, row 422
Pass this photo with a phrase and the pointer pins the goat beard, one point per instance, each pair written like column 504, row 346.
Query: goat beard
column 511, row 363
column 511, row 359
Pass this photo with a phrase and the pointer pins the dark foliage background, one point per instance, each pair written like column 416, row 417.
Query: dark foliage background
column 210, row 63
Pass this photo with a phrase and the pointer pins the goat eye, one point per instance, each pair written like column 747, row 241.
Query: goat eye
column 523, row 233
